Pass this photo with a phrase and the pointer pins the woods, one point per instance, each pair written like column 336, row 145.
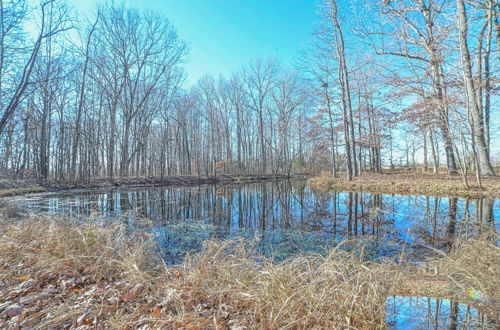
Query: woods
column 249, row 164
column 107, row 97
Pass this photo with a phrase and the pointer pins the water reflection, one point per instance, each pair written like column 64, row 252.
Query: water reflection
column 283, row 218
column 432, row 313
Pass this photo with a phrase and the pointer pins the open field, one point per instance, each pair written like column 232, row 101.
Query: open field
column 55, row 273
column 411, row 183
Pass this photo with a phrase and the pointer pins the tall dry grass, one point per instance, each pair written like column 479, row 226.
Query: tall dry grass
column 473, row 267
column 55, row 273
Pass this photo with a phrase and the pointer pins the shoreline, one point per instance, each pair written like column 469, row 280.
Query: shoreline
column 438, row 185
column 12, row 188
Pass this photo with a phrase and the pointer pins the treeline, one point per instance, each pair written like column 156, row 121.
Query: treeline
column 106, row 98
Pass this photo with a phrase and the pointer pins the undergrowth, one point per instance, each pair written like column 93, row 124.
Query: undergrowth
column 56, row 273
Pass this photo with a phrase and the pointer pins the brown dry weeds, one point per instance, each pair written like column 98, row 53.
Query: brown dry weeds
column 411, row 183
column 55, row 273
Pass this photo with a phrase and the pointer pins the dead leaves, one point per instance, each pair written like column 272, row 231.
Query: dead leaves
column 22, row 278
column 156, row 312
column 30, row 302
column 402, row 183
column 192, row 323
column 12, row 311
column 85, row 320
column 132, row 294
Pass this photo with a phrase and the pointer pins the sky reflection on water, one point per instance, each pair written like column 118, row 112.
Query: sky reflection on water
column 430, row 313
column 283, row 218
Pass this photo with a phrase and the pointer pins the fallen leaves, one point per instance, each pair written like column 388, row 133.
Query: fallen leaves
column 101, row 288
column 132, row 294
column 90, row 303
column 84, row 320
column 11, row 311
column 22, row 278
column 156, row 312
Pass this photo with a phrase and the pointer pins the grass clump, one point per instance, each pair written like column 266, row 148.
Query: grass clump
column 473, row 267
column 55, row 273
column 20, row 191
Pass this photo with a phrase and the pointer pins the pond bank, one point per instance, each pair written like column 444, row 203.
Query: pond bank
column 296, row 217
column 414, row 184
column 55, row 273
column 17, row 187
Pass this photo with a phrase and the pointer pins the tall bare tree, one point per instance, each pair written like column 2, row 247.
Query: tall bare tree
column 21, row 60
column 477, row 127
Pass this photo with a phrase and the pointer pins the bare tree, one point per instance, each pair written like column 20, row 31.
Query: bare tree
column 477, row 128
column 53, row 20
column 417, row 38
column 343, row 75
column 81, row 100
column 258, row 80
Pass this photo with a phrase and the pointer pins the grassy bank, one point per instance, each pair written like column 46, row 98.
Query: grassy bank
column 58, row 274
column 407, row 183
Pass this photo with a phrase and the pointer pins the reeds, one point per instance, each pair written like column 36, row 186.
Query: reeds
column 56, row 273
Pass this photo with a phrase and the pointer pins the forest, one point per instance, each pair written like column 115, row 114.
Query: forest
column 105, row 97
column 217, row 173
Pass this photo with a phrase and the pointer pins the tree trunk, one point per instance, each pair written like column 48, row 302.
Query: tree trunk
column 473, row 107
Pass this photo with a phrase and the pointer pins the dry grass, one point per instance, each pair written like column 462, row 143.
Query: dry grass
column 54, row 273
column 471, row 267
column 410, row 183
column 475, row 265
column 20, row 191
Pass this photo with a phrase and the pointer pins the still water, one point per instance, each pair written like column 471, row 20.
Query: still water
column 432, row 313
column 282, row 218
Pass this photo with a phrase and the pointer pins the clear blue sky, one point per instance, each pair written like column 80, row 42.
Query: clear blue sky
column 225, row 34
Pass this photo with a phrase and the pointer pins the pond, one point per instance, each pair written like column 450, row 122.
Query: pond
column 281, row 218
column 432, row 313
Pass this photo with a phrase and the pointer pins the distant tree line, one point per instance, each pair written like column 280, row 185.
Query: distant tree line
column 106, row 99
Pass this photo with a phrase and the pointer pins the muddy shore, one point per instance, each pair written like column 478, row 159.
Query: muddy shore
column 17, row 187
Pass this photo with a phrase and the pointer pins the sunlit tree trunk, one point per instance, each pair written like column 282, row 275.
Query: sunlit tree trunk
column 472, row 106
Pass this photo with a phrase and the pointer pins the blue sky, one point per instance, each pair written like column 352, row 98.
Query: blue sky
column 225, row 34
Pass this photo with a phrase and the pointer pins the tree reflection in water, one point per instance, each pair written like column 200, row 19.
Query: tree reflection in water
column 433, row 313
column 285, row 217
